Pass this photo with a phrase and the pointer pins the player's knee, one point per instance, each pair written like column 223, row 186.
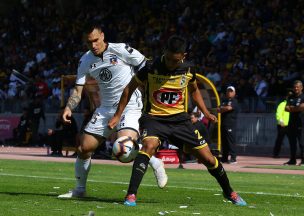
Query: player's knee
column 84, row 151
column 207, row 161
column 150, row 147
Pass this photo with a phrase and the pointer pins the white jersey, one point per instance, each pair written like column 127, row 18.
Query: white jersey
column 112, row 71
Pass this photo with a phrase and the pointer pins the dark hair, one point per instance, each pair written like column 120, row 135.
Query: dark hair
column 176, row 44
column 91, row 25
column 195, row 114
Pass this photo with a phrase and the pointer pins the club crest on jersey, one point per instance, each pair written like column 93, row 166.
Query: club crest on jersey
column 105, row 74
column 144, row 133
column 168, row 97
column 183, row 80
column 113, row 59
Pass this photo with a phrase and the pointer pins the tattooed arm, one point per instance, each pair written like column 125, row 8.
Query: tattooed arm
column 72, row 103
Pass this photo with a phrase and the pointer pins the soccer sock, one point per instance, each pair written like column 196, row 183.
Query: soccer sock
column 219, row 173
column 140, row 166
column 155, row 162
column 82, row 168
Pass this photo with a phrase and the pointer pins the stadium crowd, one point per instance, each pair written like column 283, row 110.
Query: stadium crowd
column 256, row 46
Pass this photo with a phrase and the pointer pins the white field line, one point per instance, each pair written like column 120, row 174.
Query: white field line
column 149, row 185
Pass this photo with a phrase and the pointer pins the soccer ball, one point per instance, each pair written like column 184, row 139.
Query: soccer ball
column 125, row 149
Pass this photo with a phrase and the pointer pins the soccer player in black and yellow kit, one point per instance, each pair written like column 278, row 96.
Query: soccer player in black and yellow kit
column 165, row 82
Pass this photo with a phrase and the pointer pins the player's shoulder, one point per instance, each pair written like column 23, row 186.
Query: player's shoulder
column 116, row 47
column 87, row 57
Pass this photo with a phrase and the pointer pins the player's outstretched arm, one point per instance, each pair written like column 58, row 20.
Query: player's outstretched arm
column 198, row 99
column 72, row 103
column 124, row 100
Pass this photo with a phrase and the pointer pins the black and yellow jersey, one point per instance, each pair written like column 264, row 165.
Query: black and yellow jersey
column 165, row 90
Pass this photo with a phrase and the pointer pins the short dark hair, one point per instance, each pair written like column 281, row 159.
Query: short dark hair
column 91, row 25
column 176, row 44
column 195, row 114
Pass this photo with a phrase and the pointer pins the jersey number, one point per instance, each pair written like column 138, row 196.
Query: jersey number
column 199, row 136
column 94, row 118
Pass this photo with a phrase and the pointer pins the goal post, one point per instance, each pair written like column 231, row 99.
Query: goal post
column 212, row 101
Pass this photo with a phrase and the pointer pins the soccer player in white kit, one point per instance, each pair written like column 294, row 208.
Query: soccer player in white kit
column 112, row 65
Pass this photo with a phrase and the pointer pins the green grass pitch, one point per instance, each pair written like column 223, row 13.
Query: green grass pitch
column 31, row 188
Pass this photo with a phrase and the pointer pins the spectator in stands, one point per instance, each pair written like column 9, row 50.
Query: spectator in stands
column 282, row 118
column 229, row 109
column 63, row 134
column 56, row 90
column 41, row 87
column 237, row 39
column 3, row 92
column 295, row 105
column 261, row 89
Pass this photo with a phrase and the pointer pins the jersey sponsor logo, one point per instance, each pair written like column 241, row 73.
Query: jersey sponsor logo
column 105, row 75
column 113, row 59
column 168, row 97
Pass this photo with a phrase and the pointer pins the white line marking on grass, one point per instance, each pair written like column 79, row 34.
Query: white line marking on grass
column 149, row 185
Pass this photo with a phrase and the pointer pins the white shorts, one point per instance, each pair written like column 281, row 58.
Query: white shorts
column 98, row 125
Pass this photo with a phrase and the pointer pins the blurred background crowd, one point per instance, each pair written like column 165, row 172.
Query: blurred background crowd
column 256, row 46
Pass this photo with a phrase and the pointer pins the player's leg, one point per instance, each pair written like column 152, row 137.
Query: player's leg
column 216, row 169
column 151, row 130
column 88, row 144
column 140, row 165
column 93, row 135
column 197, row 146
column 128, row 126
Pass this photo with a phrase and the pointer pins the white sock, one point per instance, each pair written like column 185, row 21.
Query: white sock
column 82, row 168
column 155, row 162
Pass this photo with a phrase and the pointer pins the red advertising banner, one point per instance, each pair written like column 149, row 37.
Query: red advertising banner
column 7, row 125
column 168, row 156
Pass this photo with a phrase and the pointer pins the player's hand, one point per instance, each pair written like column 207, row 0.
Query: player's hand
column 50, row 132
column 211, row 117
column 66, row 116
column 288, row 108
column 113, row 121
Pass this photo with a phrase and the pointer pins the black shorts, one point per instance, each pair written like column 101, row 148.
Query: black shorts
column 179, row 133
